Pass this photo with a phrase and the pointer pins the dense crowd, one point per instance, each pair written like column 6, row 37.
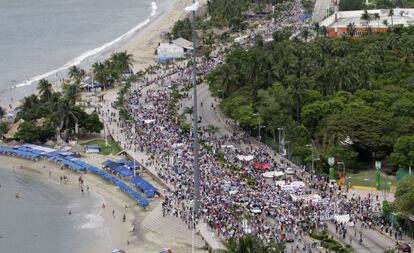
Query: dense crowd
column 235, row 198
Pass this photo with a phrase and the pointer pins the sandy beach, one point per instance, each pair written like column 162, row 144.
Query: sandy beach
column 142, row 45
column 115, row 233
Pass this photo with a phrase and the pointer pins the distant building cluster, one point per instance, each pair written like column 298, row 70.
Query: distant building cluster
column 379, row 21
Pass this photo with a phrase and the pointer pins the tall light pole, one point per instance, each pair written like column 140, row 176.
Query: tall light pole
column 196, row 170
column 281, row 140
column 260, row 124
column 195, row 121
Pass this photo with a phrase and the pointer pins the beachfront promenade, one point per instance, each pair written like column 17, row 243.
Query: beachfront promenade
column 167, row 225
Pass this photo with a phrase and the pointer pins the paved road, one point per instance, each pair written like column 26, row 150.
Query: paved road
column 373, row 241
column 207, row 112
column 319, row 11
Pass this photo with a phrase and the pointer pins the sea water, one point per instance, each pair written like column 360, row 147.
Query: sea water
column 42, row 38
column 39, row 221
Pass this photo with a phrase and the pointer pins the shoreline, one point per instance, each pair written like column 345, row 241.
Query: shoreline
column 113, row 199
column 140, row 43
column 113, row 234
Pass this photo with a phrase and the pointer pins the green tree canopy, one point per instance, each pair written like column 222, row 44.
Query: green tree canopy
column 252, row 244
column 403, row 153
column 404, row 196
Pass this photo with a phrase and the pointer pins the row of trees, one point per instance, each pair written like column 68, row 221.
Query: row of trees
column 229, row 12
column 57, row 113
column 51, row 114
column 351, row 98
column 348, row 5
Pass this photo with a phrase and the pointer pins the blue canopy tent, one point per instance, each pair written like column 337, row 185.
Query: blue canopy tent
column 133, row 164
column 66, row 158
column 107, row 162
column 122, row 161
column 145, row 186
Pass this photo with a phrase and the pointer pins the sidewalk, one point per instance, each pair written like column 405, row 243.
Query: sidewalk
column 117, row 135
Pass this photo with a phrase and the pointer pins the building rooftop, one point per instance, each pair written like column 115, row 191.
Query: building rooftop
column 401, row 17
column 181, row 42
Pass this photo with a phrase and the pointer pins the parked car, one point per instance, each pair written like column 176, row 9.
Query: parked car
column 404, row 247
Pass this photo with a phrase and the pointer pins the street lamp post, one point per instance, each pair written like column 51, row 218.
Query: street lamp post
column 260, row 124
column 193, row 8
column 281, row 140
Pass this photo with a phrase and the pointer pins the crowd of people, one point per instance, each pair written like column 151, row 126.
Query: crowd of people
column 235, row 198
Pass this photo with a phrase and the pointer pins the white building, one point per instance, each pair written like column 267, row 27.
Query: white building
column 168, row 51
column 337, row 23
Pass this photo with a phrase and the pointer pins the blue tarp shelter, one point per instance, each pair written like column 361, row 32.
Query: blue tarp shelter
column 67, row 159
column 144, row 186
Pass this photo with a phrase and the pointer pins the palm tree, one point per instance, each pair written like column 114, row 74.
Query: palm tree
column 377, row 17
column 305, row 34
column 122, row 61
column 76, row 74
column 212, row 129
column 45, row 89
column 296, row 87
column 72, row 93
column 317, row 28
column 391, row 14
column 324, row 31
column 251, row 244
column 188, row 110
column 100, row 73
column 29, row 102
column 67, row 115
column 366, row 16
column 351, row 29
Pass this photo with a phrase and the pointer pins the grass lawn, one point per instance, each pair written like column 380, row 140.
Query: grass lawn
column 367, row 178
column 112, row 147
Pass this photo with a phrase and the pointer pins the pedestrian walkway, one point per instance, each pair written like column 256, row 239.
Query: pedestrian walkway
column 171, row 226
column 154, row 221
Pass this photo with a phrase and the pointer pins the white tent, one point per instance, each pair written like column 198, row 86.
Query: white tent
column 245, row 157
column 272, row 174
column 170, row 51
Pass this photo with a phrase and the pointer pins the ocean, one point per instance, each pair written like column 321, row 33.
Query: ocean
column 39, row 222
column 41, row 39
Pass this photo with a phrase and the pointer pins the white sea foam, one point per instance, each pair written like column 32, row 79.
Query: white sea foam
column 90, row 53
column 93, row 220
column 154, row 8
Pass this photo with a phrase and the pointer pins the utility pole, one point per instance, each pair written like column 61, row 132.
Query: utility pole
column 196, row 169
column 195, row 121
column 281, row 141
